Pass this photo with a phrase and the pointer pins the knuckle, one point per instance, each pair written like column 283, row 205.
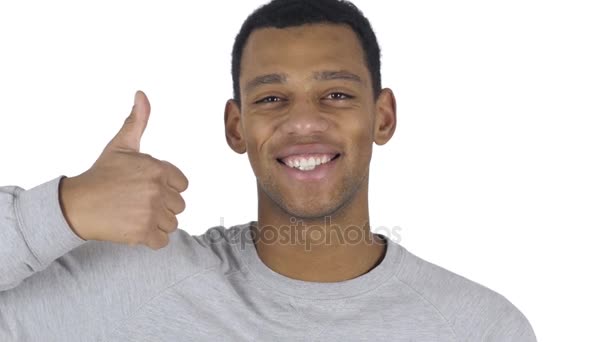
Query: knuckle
column 153, row 245
column 149, row 226
column 157, row 171
column 174, row 224
column 154, row 193
column 145, row 156
column 181, row 205
column 159, row 241
column 152, row 166
column 186, row 184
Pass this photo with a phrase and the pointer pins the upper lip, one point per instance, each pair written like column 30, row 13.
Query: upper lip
column 306, row 149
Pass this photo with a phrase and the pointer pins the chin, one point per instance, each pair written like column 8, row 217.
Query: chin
column 310, row 210
column 307, row 202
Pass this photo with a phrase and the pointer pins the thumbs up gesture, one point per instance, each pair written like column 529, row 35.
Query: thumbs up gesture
column 126, row 196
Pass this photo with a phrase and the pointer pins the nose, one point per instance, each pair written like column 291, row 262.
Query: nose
column 304, row 119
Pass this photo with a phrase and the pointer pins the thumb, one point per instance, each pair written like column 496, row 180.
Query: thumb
column 129, row 136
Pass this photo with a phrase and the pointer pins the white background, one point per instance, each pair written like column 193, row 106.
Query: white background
column 497, row 171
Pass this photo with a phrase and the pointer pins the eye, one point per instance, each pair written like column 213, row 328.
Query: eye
column 269, row 99
column 339, row 96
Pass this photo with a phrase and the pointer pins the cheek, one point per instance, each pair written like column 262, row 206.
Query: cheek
column 361, row 131
column 361, row 141
column 257, row 136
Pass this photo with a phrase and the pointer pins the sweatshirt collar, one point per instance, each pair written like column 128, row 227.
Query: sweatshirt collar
column 259, row 272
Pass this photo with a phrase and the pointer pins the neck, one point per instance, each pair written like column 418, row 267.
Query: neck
column 332, row 248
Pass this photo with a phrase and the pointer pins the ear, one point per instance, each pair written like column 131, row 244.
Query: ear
column 234, row 128
column 385, row 121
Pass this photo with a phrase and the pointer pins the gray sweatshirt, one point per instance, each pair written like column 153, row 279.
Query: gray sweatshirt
column 55, row 286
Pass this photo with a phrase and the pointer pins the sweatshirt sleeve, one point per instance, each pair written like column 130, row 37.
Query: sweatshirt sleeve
column 512, row 326
column 57, row 287
column 33, row 231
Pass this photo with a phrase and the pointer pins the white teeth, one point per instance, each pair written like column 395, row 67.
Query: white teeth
column 307, row 164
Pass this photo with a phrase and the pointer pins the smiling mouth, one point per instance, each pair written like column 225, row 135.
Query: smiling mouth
column 307, row 162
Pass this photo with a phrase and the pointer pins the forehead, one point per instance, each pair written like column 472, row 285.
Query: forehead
column 302, row 50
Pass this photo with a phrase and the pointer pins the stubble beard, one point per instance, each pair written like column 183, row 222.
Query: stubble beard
column 311, row 209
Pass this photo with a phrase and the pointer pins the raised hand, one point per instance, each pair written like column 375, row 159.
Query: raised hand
column 126, row 196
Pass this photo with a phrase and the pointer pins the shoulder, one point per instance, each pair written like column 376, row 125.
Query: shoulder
column 475, row 312
column 185, row 254
column 142, row 270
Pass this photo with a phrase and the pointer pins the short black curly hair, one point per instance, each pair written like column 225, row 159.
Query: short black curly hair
column 289, row 13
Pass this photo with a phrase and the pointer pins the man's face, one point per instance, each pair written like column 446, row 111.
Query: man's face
column 307, row 117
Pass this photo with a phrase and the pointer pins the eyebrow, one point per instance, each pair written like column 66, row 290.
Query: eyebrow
column 336, row 75
column 265, row 79
column 326, row 75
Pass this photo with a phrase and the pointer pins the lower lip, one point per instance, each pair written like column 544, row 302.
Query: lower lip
column 320, row 172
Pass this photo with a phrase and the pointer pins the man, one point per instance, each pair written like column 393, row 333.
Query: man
column 307, row 109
